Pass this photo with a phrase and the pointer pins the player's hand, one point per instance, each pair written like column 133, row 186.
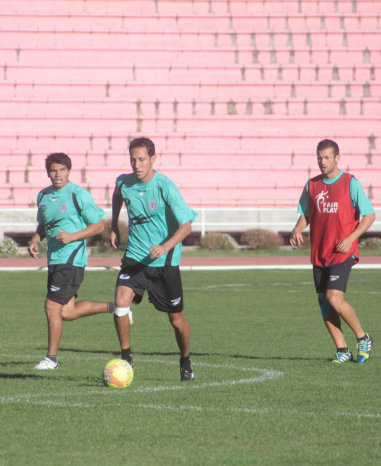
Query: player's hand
column 296, row 239
column 157, row 251
column 33, row 249
column 64, row 237
column 344, row 245
column 115, row 239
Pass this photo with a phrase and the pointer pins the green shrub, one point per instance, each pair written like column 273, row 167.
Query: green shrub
column 261, row 239
column 213, row 241
column 370, row 243
column 102, row 241
column 8, row 247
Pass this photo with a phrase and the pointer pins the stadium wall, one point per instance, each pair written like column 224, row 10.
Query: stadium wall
column 235, row 94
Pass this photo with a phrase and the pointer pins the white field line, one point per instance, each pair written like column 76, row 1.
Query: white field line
column 182, row 408
column 52, row 399
column 263, row 374
column 203, row 267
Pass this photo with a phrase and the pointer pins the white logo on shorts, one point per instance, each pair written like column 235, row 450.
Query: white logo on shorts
column 333, row 278
column 124, row 276
column 54, row 288
column 175, row 302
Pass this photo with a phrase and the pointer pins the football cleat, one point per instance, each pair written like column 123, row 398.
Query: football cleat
column 128, row 358
column 46, row 363
column 364, row 348
column 186, row 373
column 342, row 357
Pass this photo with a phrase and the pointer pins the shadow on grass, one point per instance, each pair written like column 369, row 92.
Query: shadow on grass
column 210, row 355
column 21, row 376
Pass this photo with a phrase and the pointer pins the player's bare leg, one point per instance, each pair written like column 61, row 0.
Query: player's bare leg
column 123, row 300
column 55, row 325
column 75, row 310
column 333, row 324
column 345, row 310
column 182, row 331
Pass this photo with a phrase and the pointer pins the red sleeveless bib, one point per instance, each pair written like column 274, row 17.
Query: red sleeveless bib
column 332, row 218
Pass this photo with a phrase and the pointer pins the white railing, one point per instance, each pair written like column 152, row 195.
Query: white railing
column 208, row 219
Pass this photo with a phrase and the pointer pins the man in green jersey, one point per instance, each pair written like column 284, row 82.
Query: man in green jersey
column 67, row 215
column 159, row 220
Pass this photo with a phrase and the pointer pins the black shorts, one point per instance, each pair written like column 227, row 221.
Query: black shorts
column 64, row 281
column 333, row 277
column 163, row 284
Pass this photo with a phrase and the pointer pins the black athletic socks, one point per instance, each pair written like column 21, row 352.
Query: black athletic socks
column 127, row 356
column 185, row 362
column 343, row 350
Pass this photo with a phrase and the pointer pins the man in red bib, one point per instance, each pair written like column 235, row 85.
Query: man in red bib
column 332, row 204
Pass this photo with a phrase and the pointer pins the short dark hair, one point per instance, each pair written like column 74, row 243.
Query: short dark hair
column 142, row 142
column 57, row 157
column 325, row 143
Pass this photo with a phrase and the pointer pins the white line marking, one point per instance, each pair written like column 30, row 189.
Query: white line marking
column 201, row 267
column 182, row 408
column 52, row 399
column 262, row 375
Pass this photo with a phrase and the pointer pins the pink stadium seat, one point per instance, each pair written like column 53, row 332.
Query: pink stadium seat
column 230, row 92
column 6, row 194
column 369, row 177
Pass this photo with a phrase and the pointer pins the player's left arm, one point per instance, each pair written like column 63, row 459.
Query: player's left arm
column 91, row 230
column 184, row 216
column 92, row 216
column 159, row 249
column 345, row 244
column 361, row 203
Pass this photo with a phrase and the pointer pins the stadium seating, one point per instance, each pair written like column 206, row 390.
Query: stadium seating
column 235, row 94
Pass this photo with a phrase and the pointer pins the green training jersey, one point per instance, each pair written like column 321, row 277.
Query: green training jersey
column 155, row 212
column 70, row 209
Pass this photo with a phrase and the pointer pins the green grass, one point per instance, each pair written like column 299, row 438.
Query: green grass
column 265, row 392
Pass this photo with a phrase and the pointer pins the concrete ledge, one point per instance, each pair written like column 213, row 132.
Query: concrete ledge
column 209, row 219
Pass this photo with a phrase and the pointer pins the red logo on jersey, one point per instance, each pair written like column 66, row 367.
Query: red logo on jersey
column 152, row 205
column 63, row 208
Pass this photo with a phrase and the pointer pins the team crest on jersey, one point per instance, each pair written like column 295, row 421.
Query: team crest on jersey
column 324, row 206
column 63, row 208
column 152, row 205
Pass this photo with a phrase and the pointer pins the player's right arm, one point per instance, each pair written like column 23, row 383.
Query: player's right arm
column 117, row 202
column 36, row 238
column 296, row 238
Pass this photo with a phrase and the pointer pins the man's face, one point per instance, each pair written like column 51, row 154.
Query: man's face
column 59, row 175
column 327, row 162
column 142, row 164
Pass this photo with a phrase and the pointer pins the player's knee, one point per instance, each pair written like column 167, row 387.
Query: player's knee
column 177, row 319
column 122, row 311
column 324, row 304
column 334, row 298
column 51, row 307
column 68, row 312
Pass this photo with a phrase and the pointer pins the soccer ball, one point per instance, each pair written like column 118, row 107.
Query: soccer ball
column 117, row 373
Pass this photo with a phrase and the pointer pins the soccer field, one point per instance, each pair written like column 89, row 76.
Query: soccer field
column 264, row 392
